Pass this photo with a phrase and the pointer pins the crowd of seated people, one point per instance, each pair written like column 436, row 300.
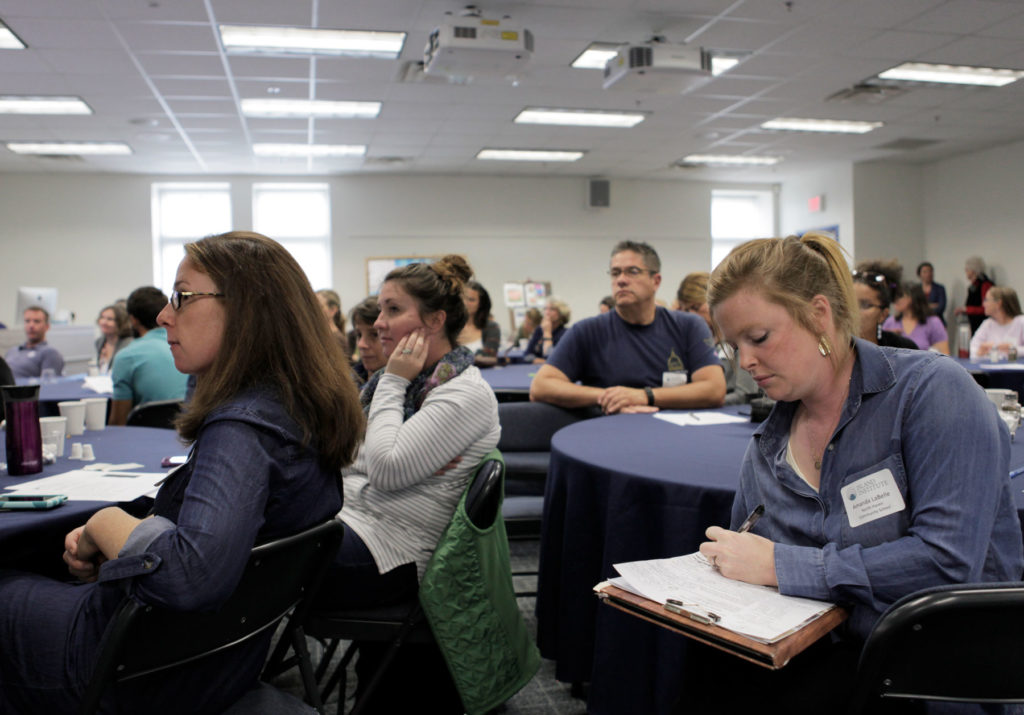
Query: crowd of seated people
column 385, row 437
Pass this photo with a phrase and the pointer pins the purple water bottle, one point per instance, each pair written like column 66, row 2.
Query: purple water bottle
column 24, row 441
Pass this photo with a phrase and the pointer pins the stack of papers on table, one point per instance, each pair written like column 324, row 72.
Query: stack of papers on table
column 100, row 384
column 760, row 613
column 700, row 419
column 84, row 485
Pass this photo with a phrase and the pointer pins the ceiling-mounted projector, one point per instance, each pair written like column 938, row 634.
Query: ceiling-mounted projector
column 471, row 47
column 657, row 67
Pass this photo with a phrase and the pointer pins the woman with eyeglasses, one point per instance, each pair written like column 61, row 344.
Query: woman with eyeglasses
column 1003, row 329
column 914, row 319
column 692, row 297
column 875, row 284
column 271, row 423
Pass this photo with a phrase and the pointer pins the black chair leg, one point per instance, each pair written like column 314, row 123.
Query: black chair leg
column 306, row 669
column 325, row 660
column 396, row 643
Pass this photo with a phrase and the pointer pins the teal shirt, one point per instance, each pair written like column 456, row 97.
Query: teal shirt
column 144, row 371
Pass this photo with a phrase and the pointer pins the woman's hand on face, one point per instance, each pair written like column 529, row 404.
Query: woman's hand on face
column 743, row 557
column 409, row 356
column 546, row 326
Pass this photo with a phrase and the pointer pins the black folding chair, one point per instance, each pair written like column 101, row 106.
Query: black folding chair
column 158, row 413
column 281, row 575
column 399, row 624
column 955, row 643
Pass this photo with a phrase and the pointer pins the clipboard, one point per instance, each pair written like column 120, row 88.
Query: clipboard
column 768, row 655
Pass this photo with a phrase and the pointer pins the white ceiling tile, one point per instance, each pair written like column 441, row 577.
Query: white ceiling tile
column 964, row 16
column 181, row 64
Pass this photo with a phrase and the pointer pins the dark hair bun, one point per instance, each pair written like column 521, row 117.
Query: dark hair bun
column 454, row 271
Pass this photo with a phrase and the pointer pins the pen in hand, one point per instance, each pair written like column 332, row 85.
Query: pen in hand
column 749, row 522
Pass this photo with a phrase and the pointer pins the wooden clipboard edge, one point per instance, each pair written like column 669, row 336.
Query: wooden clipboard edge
column 768, row 655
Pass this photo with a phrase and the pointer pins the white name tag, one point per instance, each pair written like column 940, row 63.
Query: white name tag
column 872, row 497
column 671, row 379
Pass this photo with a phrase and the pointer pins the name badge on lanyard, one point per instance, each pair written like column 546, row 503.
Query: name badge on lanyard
column 872, row 497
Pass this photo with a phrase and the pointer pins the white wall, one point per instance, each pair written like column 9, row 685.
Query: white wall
column 90, row 235
column 974, row 205
column 835, row 183
column 889, row 213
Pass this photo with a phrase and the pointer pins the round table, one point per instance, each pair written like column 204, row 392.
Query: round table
column 626, row 488
column 23, row 532
column 511, row 383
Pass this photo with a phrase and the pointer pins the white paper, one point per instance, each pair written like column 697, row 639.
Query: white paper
column 100, row 384
column 107, row 467
column 80, row 485
column 1010, row 366
column 699, row 419
column 759, row 612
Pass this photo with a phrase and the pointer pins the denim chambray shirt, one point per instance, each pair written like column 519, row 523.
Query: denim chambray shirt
column 921, row 416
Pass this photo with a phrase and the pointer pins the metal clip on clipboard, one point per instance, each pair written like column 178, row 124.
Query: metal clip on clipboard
column 692, row 611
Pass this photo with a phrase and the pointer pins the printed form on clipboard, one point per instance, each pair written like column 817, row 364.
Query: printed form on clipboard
column 759, row 613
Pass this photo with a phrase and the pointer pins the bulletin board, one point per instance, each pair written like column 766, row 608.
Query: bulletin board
column 378, row 267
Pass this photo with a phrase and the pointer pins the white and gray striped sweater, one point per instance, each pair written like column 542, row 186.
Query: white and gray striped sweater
column 393, row 499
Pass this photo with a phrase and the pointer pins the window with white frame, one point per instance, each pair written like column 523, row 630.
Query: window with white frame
column 184, row 212
column 738, row 215
column 298, row 216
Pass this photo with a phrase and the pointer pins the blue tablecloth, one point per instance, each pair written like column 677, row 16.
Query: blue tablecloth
column 22, row 531
column 993, row 376
column 62, row 389
column 510, row 382
column 624, row 488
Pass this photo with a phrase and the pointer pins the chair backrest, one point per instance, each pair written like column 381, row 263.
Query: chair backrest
column 529, row 426
column 142, row 639
column 158, row 413
column 957, row 643
column 483, row 498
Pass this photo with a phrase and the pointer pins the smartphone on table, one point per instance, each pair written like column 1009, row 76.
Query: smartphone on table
column 31, row 501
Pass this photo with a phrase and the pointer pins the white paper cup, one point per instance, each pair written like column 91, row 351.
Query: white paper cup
column 76, row 450
column 53, row 431
column 75, row 412
column 95, row 412
column 998, row 396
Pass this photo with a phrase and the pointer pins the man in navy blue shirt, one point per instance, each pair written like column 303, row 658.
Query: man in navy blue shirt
column 34, row 356
column 638, row 357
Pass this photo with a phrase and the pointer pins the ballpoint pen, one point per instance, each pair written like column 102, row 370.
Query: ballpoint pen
column 749, row 522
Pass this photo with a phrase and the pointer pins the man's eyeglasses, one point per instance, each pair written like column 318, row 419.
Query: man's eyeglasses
column 631, row 271
column 868, row 305
column 180, row 296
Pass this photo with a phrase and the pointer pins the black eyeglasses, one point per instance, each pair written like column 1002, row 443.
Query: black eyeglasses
column 178, row 297
column 631, row 271
column 868, row 305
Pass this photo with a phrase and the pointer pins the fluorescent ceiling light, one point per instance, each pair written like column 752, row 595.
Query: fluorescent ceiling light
column 302, row 40
column 580, row 117
column 309, row 108
column 952, row 74
column 721, row 63
column 730, row 160
column 11, row 104
column 596, row 56
column 8, row 40
column 71, row 148
column 309, row 150
column 528, row 155
column 840, row 126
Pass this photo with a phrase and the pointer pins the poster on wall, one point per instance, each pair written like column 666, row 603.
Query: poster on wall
column 514, row 294
column 536, row 294
column 830, row 231
column 377, row 268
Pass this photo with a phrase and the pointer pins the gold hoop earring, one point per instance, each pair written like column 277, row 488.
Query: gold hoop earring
column 823, row 347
